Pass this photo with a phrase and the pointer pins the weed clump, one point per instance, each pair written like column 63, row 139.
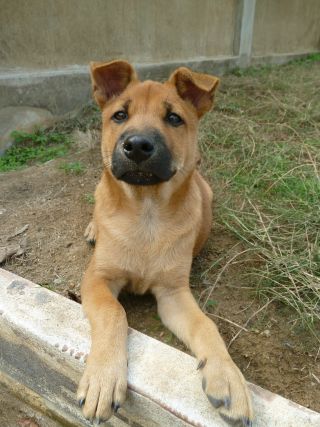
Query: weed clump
column 38, row 147
column 74, row 168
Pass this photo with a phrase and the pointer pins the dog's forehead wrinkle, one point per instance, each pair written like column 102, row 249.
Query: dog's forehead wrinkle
column 127, row 103
column 148, row 93
column 168, row 106
column 152, row 100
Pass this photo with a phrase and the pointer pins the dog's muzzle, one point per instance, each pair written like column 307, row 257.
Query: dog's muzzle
column 142, row 158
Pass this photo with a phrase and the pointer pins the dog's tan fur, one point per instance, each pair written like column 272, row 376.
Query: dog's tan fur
column 146, row 237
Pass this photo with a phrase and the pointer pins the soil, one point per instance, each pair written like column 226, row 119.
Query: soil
column 273, row 352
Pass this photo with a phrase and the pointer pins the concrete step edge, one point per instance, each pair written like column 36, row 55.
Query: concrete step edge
column 44, row 340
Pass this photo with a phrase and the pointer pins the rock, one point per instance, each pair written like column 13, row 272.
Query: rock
column 26, row 119
column 12, row 249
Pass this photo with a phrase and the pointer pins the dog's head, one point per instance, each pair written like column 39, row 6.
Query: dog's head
column 150, row 128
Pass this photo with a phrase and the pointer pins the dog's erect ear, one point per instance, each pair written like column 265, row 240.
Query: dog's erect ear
column 109, row 79
column 195, row 87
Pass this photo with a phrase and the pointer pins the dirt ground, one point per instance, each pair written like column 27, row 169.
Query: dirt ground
column 272, row 352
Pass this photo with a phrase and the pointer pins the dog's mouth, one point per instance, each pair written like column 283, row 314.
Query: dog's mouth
column 142, row 178
column 142, row 158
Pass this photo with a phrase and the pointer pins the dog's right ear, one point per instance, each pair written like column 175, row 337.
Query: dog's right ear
column 109, row 79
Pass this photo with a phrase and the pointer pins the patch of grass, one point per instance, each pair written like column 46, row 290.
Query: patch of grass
column 37, row 147
column 251, row 71
column 75, row 168
column 309, row 59
column 49, row 286
column 261, row 149
column 263, row 69
column 89, row 198
column 212, row 303
column 89, row 117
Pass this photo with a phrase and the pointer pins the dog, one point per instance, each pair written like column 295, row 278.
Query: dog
column 152, row 215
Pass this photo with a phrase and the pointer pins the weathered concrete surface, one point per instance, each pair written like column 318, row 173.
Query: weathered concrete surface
column 25, row 119
column 58, row 33
column 15, row 413
column 59, row 91
column 44, row 339
column 286, row 26
column 67, row 89
column 50, row 34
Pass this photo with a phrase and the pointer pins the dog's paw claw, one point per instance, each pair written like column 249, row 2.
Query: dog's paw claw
column 240, row 422
column 115, row 407
column 227, row 402
column 217, row 403
column 99, row 385
column 227, row 392
column 201, row 364
column 246, row 422
column 81, row 402
column 90, row 234
column 99, row 421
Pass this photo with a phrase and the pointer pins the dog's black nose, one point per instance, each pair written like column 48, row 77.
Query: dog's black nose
column 138, row 148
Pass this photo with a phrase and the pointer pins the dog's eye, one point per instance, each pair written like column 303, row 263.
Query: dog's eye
column 119, row 116
column 174, row 120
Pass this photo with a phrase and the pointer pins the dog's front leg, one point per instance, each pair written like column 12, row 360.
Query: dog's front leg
column 103, row 385
column 222, row 381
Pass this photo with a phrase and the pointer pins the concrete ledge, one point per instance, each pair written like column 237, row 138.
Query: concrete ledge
column 278, row 59
column 59, row 91
column 67, row 89
column 44, row 340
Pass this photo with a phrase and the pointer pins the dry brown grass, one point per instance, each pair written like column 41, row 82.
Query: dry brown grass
column 261, row 147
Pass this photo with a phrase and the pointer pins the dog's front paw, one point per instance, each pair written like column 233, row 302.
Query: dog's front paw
column 102, row 388
column 227, row 391
column 90, row 233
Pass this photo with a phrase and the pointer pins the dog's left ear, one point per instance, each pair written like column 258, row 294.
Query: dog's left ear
column 109, row 79
column 197, row 88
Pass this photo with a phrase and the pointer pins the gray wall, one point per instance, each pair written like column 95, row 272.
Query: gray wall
column 286, row 26
column 54, row 33
column 57, row 33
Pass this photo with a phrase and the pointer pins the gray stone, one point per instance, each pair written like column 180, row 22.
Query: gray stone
column 26, row 119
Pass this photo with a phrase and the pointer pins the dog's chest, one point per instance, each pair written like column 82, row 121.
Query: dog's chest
column 146, row 244
column 138, row 229
column 148, row 223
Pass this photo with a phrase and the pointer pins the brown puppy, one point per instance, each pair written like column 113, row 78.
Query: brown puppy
column 152, row 215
